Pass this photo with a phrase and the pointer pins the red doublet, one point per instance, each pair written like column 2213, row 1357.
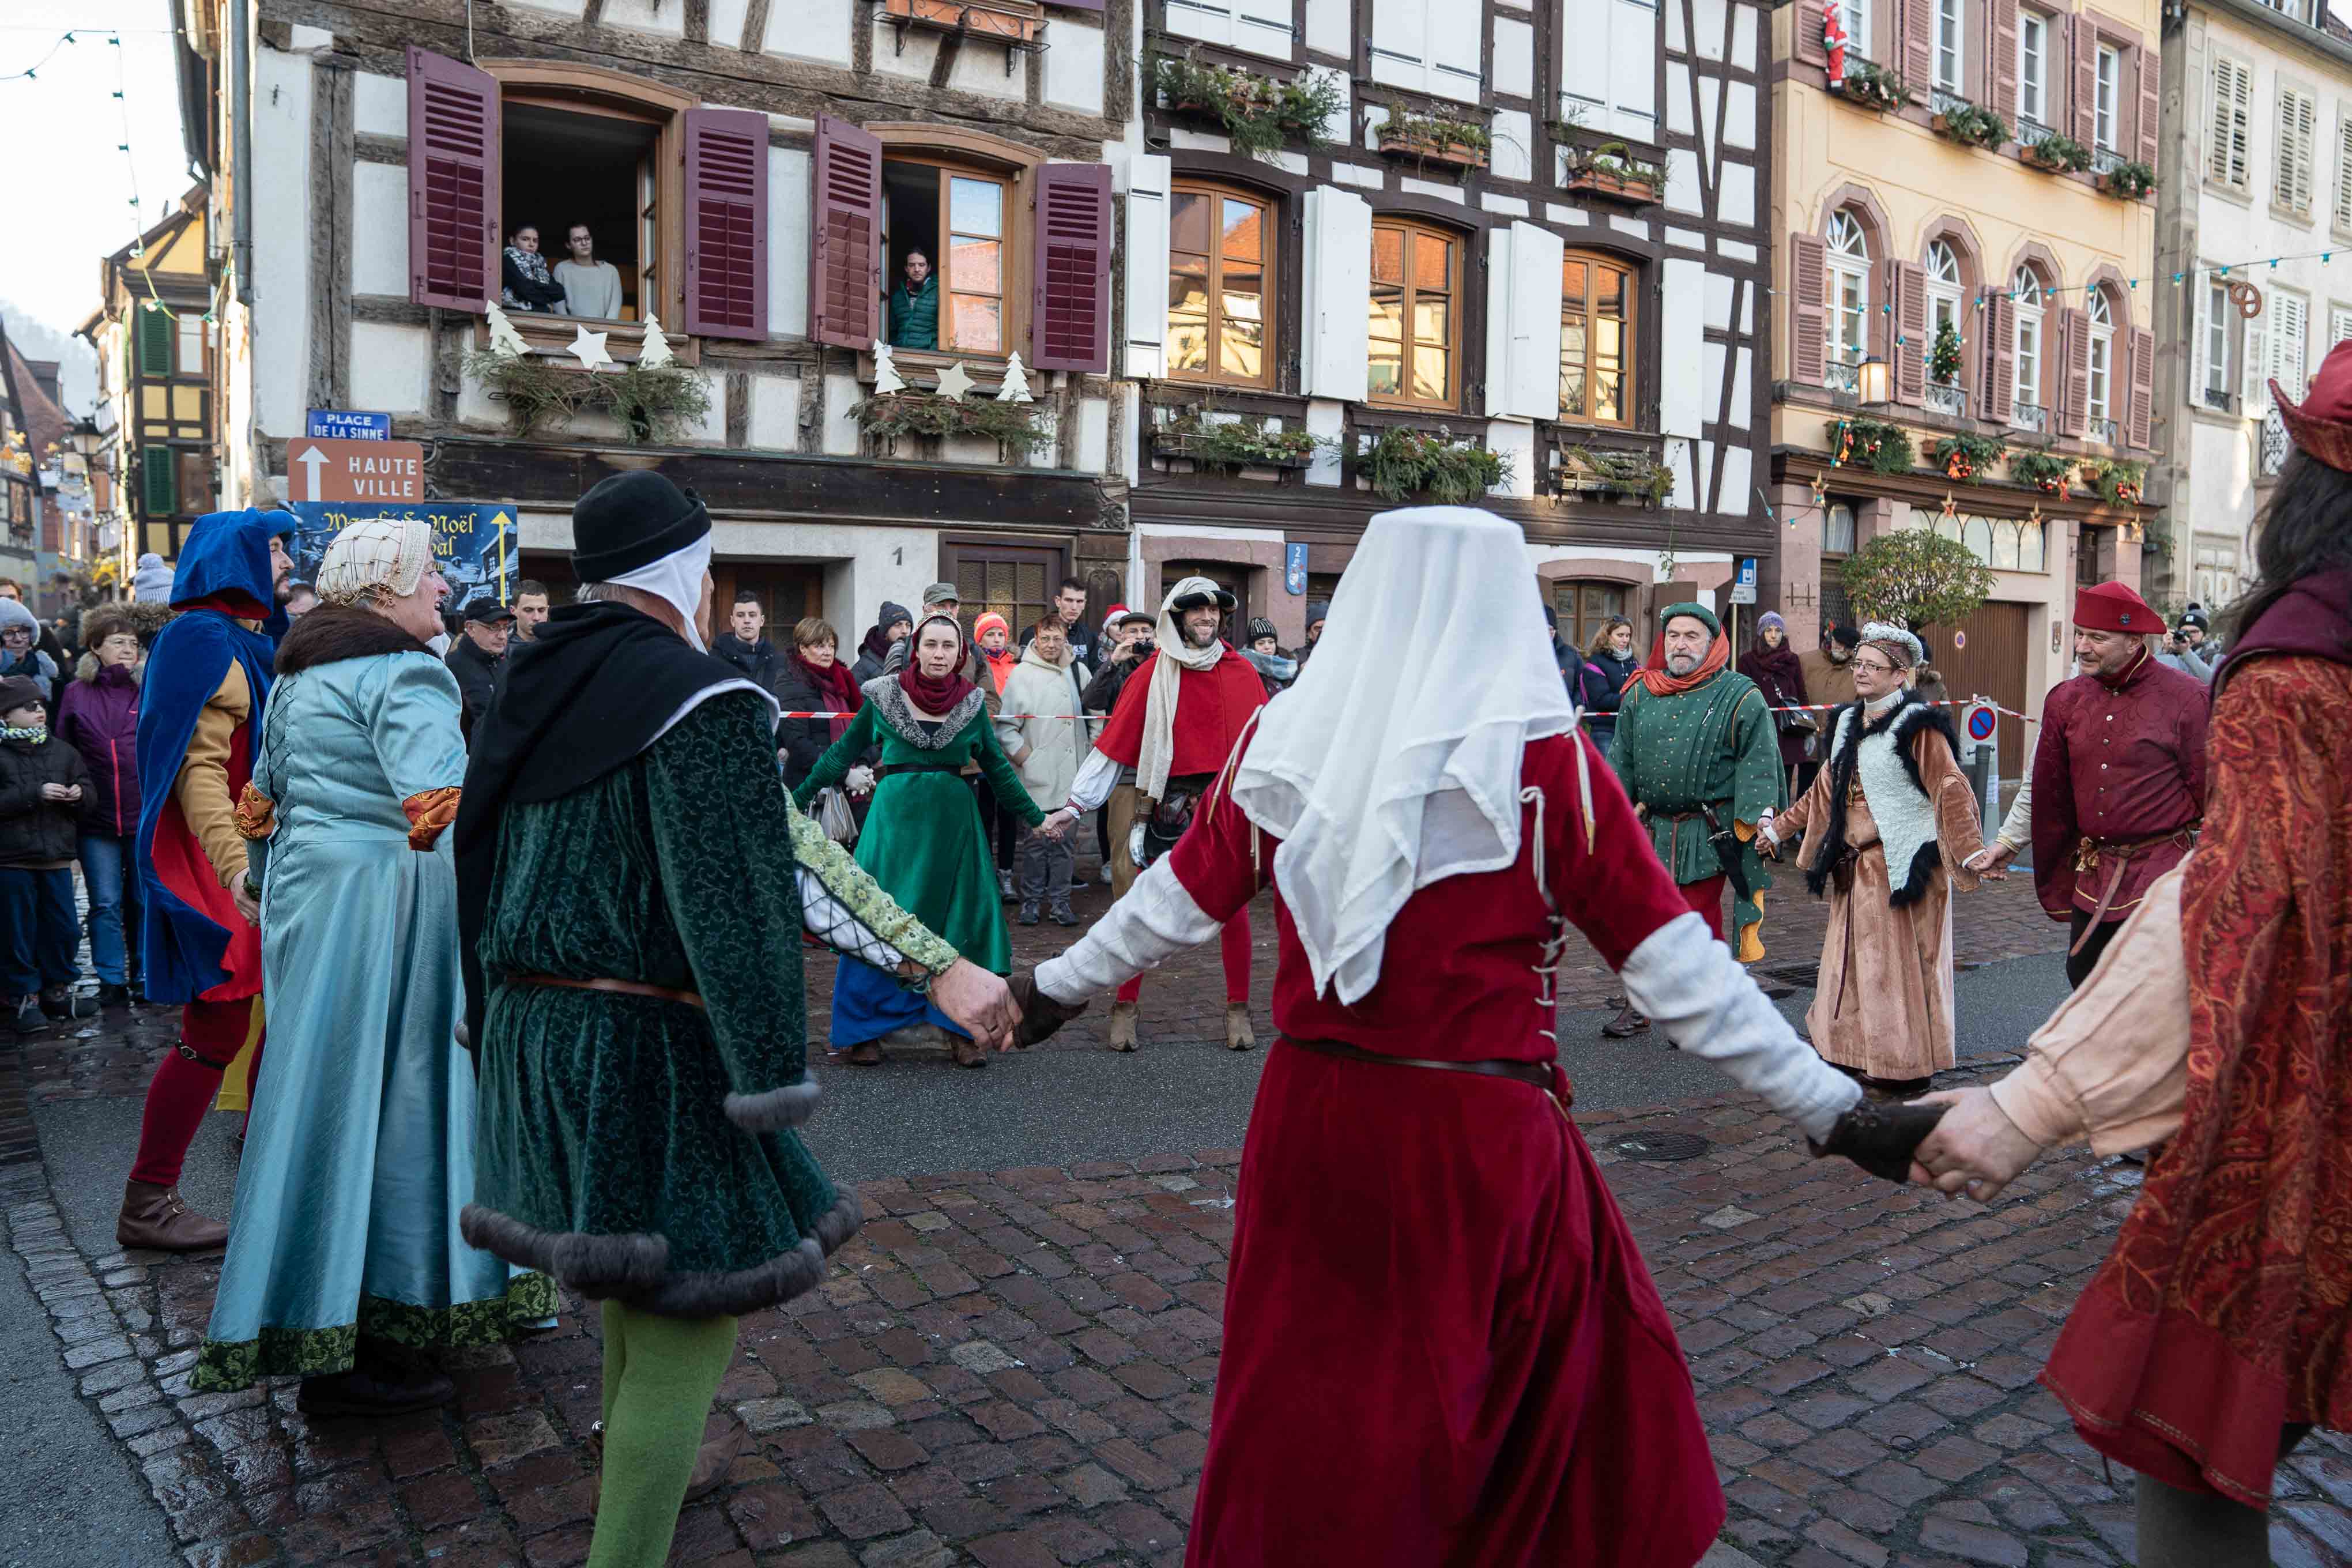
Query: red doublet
column 2116, row 762
column 1211, row 705
column 1441, row 1343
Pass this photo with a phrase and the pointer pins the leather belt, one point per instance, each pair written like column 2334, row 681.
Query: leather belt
column 618, row 987
column 1534, row 1074
column 887, row 769
column 2122, row 852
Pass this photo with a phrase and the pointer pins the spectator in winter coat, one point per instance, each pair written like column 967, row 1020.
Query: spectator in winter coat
column 1044, row 732
column 813, row 680
column 1773, row 665
column 1317, row 610
column 1126, row 642
column 1608, row 664
column 744, row 644
column 2185, row 649
column 892, row 626
column 1827, row 674
column 20, row 651
column 1069, row 607
column 914, row 306
column 44, row 791
column 477, row 655
column 526, row 284
column 98, row 715
column 1275, row 672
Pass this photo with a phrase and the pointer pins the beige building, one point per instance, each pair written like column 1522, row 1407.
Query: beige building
column 1970, row 187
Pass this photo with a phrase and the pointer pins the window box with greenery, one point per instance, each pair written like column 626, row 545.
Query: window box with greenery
column 2045, row 471
column 1966, row 457
column 655, row 403
column 1435, row 139
column 1232, row 443
column 2056, row 155
column 1607, row 471
column 1016, row 427
column 1611, row 171
column 1256, row 113
column 2118, row 483
column 1874, row 87
column 2131, row 181
column 1872, row 444
column 1402, row 463
column 1971, row 126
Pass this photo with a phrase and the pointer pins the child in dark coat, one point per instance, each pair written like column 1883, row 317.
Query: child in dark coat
column 44, row 791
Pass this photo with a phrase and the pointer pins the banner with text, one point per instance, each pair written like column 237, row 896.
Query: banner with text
column 474, row 542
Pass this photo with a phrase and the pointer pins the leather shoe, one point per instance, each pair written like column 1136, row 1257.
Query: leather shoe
column 1626, row 1025
column 375, row 1387
column 159, row 1219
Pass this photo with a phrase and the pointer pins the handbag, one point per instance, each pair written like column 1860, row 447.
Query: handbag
column 832, row 815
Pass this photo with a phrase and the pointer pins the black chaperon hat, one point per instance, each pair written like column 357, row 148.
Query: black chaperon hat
column 1196, row 600
column 629, row 521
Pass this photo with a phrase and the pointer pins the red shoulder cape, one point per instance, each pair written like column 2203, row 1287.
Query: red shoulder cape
column 1211, row 705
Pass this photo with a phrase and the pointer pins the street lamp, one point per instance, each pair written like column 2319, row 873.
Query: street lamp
column 1870, row 382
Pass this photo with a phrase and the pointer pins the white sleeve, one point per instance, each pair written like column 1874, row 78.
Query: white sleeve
column 1093, row 784
column 1687, row 982
column 1155, row 922
column 2017, row 827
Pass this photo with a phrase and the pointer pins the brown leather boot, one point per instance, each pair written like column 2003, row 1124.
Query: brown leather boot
column 1122, row 1026
column 157, row 1219
column 1626, row 1025
column 966, row 1053
column 1239, row 1036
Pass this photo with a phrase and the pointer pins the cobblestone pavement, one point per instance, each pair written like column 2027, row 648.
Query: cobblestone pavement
column 1016, row 1367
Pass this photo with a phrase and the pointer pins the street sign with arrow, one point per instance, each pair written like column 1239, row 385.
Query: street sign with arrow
column 335, row 470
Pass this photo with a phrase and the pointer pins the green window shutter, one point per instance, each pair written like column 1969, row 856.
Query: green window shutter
column 155, row 328
column 159, row 484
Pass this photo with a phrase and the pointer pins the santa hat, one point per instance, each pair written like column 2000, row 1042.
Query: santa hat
column 2113, row 607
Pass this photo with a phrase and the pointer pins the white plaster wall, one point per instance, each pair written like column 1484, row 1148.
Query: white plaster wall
column 726, row 22
column 1094, row 435
column 1682, row 181
column 1743, row 36
column 664, row 18
column 379, row 259
column 712, row 431
column 1329, row 26
column 379, row 104
column 815, row 30
column 1740, row 117
column 1074, row 64
column 1513, row 439
column 979, row 69
column 788, row 242
column 392, row 367
column 842, row 392
column 1326, row 417
column 775, row 421
column 922, row 51
column 1512, row 157
column 281, row 255
column 1736, row 195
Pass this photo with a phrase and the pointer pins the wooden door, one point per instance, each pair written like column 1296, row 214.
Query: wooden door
column 1988, row 658
column 1016, row 581
column 787, row 590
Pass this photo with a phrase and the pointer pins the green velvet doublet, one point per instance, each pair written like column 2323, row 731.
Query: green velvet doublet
column 637, row 1148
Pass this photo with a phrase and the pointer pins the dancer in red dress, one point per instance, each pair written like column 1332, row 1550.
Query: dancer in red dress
column 1440, row 1345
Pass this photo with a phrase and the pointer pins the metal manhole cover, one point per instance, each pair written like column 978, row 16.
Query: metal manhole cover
column 1803, row 976
column 1661, row 1146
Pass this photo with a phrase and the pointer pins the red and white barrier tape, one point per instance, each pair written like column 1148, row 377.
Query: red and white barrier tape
column 1798, row 708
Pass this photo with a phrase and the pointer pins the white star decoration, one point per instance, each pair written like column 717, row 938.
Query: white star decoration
column 954, row 383
column 885, row 371
column 505, row 342
column 589, row 349
column 655, row 351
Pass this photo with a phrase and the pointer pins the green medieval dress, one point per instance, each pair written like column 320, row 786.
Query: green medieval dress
column 1713, row 745
column 636, row 1147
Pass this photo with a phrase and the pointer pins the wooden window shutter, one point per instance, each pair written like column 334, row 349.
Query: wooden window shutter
column 2343, row 173
column 845, row 236
column 1809, row 261
column 725, row 223
column 2082, row 36
column 1910, row 354
column 155, row 329
column 2229, row 158
column 1069, row 316
column 2307, row 148
column 159, row 481
column 2148, row 68
column 2075, row 372
column 1811, row 17
column 2002, row 59
column 2140, row 422
column 1336, row 271
column 2001, row 358
column 1146, row 256
column 453, row 183
column 1916, row 61
column 2254, row 369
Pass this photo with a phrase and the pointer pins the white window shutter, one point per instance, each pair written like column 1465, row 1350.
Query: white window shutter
column 2339, row 326
column 1584, row 55
column 1633, row 57
column 1263, row 28
column 1523, row 268
column 2343, row 173
column 1211, row 21
column 2199, row 342
column 2253, row 397
column 2289, row 333
column 1682, row 336
column 1146, row 264
column 2229, row 158
column 1456, row 51
column 1400, row 43
column 1334, row 315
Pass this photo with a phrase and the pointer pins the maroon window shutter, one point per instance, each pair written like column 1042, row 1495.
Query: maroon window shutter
column 453, row 183
column 2074, row 390
column 725, row 223
column 1069, row 316
column 1911, row 331
column 2147, row 66
column 2084, row 35
column 2003, row 56
column 2139, row 425
column 1917, row 63
column 1811, row 16
column 2001, row 358
column 1809, row 261
column 846, row 244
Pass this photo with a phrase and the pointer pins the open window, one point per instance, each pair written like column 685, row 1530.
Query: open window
column 590, row 173
column 953, row 222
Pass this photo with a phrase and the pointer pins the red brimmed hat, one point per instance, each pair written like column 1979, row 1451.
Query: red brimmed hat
column 2113, row 607
column 2321, row 425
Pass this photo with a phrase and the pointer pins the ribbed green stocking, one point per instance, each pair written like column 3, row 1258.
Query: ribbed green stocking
column 660, row 1375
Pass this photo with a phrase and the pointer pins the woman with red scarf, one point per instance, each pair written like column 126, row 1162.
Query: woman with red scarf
column 813, row 680
column 923, row 842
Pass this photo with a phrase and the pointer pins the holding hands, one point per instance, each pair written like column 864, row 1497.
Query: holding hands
column 1991, row 862
column 1057, row 823
column 1975, row 1149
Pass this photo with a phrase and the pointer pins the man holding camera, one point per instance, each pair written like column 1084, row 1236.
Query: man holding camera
column 2186, row 650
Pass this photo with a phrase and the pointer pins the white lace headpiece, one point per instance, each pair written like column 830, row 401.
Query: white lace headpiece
column 386, row 554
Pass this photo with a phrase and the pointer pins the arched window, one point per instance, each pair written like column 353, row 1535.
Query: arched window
column 2005, row 545
column 1943, row 298
column 2029, row 546
column 1849, row 289
column 1596, row 339
column 2027, row 290
column 1416, row 300
column 1978, row 537
column 2103, row 359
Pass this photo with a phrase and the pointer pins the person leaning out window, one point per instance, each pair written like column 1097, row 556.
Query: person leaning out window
column 914, row 306
column 591, row 288
column 524, row 283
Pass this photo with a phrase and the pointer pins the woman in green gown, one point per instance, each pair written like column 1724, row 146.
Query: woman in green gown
column 923, row 843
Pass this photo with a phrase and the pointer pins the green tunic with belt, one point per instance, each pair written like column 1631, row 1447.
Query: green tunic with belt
column 1713, row 745
column 923, row 841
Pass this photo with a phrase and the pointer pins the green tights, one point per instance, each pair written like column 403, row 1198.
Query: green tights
column 660, row 1375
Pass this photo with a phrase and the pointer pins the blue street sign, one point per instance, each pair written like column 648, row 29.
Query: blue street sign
column 1294, row 575
column 474, row 542
column 1748, row 570
column 348, row 425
